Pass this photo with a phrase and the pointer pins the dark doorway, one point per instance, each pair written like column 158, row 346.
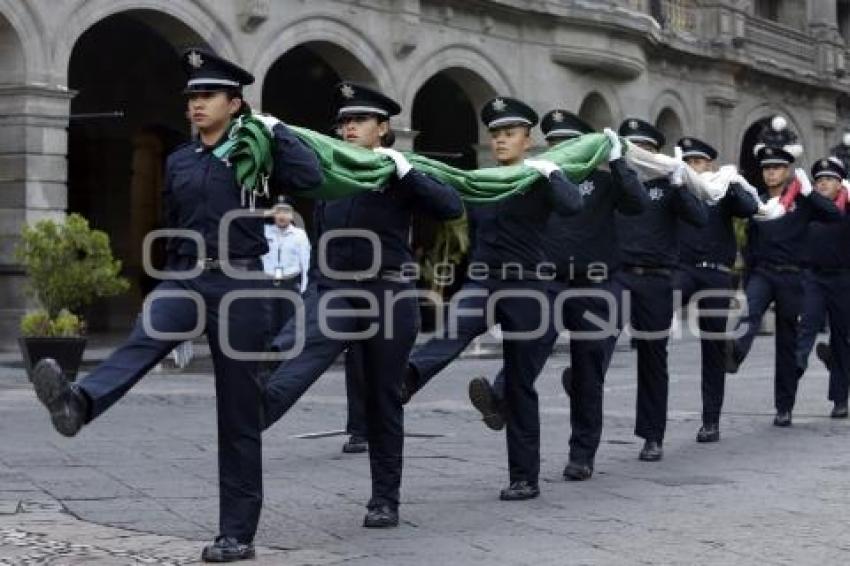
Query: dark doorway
column 446, row 121
column 127, row 115
column 748, row 165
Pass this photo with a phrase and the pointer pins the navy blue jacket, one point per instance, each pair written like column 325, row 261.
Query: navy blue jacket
column 715, row 242
column 387, row 214
column 651, row 239
column 512, row 230
column 781, row 241
column 828, row 244
column 572, row 242
column 200, row 188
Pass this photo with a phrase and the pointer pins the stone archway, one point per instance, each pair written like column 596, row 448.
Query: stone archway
column 445, row 116
column 670, row 124
column 595, row 111
column 315, row 67
column 747, row 163
column 12, row 173
column 127, row 114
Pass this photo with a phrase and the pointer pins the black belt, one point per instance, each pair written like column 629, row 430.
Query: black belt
column 524, row 275
column 831, row 270
column 580, row 280
column 243, row 263
column 716, row 266
column 391, row 275
column 781, row 268
column 644, row 270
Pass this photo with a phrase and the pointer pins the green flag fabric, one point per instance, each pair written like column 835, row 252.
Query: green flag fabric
column 349, row 169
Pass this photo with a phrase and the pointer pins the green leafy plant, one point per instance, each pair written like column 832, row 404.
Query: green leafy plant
column 39, row 323
column 68, row 265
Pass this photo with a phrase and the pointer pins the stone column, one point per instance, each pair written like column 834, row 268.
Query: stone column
column 823, row 18
column 721, row 97
column 33, row 173
column 825, row 123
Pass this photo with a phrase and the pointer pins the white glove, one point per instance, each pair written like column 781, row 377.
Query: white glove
column 268, row 120
column 402, row 165
column 770, row 210
column 677, row 177
column 846, row 184
column 616, row 147
column 542, row 166
column 805, row 184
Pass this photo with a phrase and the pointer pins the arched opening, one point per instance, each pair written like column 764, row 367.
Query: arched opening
column 446, row 121
column 670, row 125
column 12, row 63
column 445, row 116
column 127, row 115
column 747, row 163
column 596, row 112
column 299, row 89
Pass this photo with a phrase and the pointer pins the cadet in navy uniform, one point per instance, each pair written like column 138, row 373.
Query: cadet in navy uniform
column 583, row 248
column 649, row 250
column 706, row 258
column 826, row 287
column 773, row 256
column 507, row 256
column 355, row 303
column 199, row 190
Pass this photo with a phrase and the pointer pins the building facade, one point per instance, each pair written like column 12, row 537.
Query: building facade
column 90, row 89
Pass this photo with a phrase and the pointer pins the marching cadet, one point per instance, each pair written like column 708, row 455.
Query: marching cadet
column 373, row 309
column 200, row 189
column 706, row 258
column 583, row 249
column 649, row 252
column 826, row 287
column 506, row 258
column 773, row 257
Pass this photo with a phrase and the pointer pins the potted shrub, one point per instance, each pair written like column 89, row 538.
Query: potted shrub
column 68, row 265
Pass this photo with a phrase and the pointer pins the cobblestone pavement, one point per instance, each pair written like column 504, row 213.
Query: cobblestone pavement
column 139, row 485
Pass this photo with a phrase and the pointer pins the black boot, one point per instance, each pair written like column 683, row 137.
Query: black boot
column 839, row 411
column 520, row 491
column 782, row 418
column 709, row 432
column 227, row 549
column 567, row 381
column 577, row 471
column 67, row 405
column 824, row 354
column 651, row 451
column 356, row 444
column 381, row 517
column 483, row 398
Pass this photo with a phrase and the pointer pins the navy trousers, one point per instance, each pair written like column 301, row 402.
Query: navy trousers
column 589, row 358
column 648, row 307
column 389, row 325
column 827, row 294
column 690, row 280
column 238, row 395
column 785, row 289
column 355, row 385
column 517, row 313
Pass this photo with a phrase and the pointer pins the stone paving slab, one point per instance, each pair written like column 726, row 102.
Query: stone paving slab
column 142, row 479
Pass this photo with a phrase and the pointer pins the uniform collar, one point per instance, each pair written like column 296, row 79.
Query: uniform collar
column 201, row 146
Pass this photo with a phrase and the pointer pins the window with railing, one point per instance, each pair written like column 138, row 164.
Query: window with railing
column 677, row 15
column 767, row 9
column 791, row 13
